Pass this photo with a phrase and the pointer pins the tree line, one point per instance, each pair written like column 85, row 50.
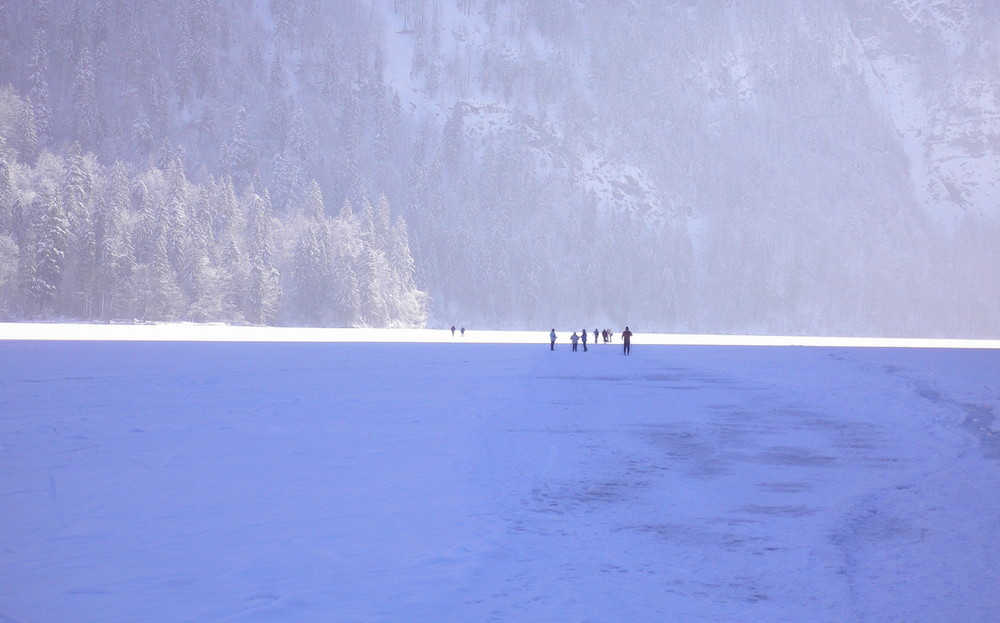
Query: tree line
column 86, row 241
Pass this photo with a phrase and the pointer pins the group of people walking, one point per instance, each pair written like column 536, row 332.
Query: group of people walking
column 608, row 336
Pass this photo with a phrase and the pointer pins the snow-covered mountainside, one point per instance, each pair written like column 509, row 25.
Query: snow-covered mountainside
column 824, row 167
column 946, row 104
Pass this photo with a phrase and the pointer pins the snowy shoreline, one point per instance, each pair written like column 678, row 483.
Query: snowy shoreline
column 195, row 332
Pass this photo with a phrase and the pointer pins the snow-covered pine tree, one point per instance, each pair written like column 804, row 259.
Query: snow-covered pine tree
column 175, row 214
column 27, row 134
column 115, row 263
column 85, row 108
column 39, row 93
column 312, row 208
column 239, row 157
column 6, row 197
column 159, row 295
column 263, row 290
column 42, row 273
column 233, row 280
column 204, row 16
column 78, row 198
column 310, row 279
column 346, row 247
column 408, row 304
column 183, row 70
column 197, row 273
column 227, row 218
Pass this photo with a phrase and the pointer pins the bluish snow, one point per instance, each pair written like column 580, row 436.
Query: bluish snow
column 463, row 481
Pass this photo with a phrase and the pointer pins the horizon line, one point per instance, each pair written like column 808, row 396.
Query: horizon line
column 219, row 332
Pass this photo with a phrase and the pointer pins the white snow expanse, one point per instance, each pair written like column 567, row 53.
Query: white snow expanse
column 351, row 479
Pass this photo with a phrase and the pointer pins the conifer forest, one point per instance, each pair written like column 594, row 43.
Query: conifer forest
column 830, row 167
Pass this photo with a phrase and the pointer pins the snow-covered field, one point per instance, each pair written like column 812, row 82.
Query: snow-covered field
column 459, row 480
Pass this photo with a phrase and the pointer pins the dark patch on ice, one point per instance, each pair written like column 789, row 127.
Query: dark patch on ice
column 657, row 430
column 869, row 524
column 86, row 591
column 81, row 448
column 610, row 568
column 696, row 535
column 581, row 495
column 700, row 455
column 979, row 420
column 796, row 510
column 786, row 487
column 857, row 445
column 707, row 470
column 560, row 431
column 881, row 462
column 791, row 456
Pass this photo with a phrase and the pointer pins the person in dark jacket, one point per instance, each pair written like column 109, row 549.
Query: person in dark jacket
column 583, row 338
column 627, row 339
column 552, row 337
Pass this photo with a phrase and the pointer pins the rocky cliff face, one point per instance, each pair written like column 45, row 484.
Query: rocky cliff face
column 935, row 69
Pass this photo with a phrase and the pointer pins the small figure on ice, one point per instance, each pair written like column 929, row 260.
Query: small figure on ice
column 574, row 338
column 627, row 339
column 583, row 338
column 552, row 337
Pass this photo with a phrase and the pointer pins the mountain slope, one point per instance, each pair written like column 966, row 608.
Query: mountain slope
column 829, row 168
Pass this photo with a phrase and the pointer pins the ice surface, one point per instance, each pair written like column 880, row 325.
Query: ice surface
column 364, row 481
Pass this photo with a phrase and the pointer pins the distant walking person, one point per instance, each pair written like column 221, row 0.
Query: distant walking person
column 595, row 336
column 604, row 334
column 574, row 338
column 463, row 331
column 627, row 338
column 583, row 337
column 452, row 330
column 552, row 337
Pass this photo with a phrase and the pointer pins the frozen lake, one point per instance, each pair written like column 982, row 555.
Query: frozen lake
column 357, row 481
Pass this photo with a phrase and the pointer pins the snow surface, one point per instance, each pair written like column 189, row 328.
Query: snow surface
column 209, row 332
column 290, row 480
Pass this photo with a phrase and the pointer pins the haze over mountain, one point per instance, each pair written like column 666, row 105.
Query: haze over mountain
column 830, row 167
